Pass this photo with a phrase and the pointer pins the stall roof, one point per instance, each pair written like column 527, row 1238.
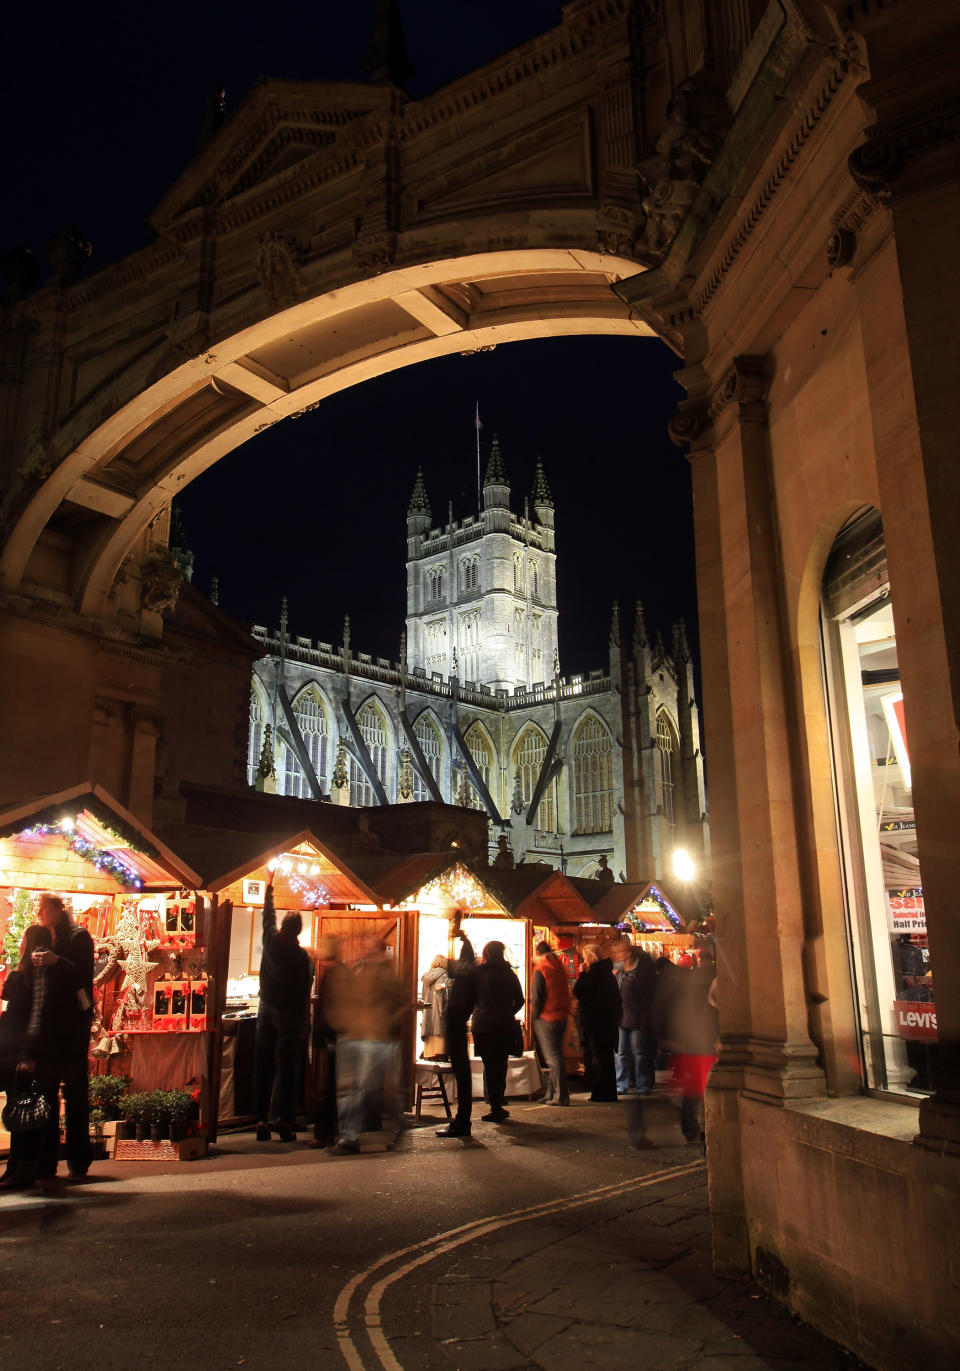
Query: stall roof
column 104, row 824
column 226, row 857
column 540, row 892
column 619, row 900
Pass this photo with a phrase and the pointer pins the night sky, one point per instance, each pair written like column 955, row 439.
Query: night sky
column 101, row 109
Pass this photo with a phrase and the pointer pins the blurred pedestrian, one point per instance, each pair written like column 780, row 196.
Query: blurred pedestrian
column 692, row 1040
column 69, row 967
column 331, row 975
column 636, row 1044
column 498, row 997
column 367, row 1018
column 27, row 1057
column 461, row 998
column 599, row 1008
column 285, row 979
column 551, row 1009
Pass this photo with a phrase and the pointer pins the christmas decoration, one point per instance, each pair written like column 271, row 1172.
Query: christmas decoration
column 96, row 856
column 23, row 913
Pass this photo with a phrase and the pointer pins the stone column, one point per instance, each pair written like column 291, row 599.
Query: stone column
column 766, row 1053
column 909, row 297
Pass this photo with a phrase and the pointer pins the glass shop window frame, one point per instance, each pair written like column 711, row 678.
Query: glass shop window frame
column 891, row 1065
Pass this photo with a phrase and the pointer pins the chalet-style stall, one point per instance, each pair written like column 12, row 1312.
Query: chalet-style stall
column 442, row 893
column 139, row 902
column 309, row 879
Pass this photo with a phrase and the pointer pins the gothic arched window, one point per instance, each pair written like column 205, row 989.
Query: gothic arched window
column 666, row 747
column 373, row 730
column 527, row 762
column 482, row 753
column 431, row 745
column 433, row 583
column 311, row 717
column 534, row 579
column 258, row 712
column 592, row 777
column 518, row 573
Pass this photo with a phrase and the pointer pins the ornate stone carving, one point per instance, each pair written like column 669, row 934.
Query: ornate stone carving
column 875, row 166
column 621, row 231
column 376, row 252
column 841, row 246
column 278, row 266
column 160, row 582
column 697, row 121
column 687, row 425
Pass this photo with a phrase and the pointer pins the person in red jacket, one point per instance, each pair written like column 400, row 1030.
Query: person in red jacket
column 551, row 1006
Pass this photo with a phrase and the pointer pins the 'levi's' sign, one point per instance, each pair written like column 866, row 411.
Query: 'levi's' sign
column 916, row 1020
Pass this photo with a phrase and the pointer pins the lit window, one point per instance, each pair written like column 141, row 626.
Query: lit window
column 666, row 747
column 593, row 777
column 428, row 736
column 528, row 762
column 374, row 733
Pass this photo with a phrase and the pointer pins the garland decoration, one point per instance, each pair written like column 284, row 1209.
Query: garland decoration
column 96, row 856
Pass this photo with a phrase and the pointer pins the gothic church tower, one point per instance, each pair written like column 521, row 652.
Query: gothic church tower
column 482, row 591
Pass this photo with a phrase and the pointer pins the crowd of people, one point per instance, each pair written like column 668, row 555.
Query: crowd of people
column 630, row 1011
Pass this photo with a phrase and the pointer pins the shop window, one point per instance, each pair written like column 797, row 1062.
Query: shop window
column 666, row 747
column 878, row 837
column 592, row 777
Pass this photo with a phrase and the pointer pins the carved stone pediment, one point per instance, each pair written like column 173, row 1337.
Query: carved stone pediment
column 279, row 127
column 160, row 582
column 698, row 117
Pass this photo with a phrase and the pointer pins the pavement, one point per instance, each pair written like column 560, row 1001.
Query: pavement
column 546, row 1242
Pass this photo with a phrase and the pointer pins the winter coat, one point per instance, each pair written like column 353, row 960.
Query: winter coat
column 434, row 989
column 637, row 986
column 692, row 1020
column 285, row 971
column 551, row 990
column 370, row 1004
column 598, row 998
column 498, row 997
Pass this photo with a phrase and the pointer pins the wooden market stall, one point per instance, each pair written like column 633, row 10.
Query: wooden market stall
column 332, row 900
column 140, row 905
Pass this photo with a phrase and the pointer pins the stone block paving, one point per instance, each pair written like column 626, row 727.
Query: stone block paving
column 611, row 1288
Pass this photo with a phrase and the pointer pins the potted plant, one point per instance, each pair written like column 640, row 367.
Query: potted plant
column 106, row 1092
column 157, row 1113
column 97, row 1120
column 179, row 1108
column 136, row 1110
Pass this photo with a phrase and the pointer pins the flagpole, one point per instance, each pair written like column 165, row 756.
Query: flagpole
column 477, row 425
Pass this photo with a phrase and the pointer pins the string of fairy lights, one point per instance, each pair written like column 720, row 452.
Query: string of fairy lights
column 98, row 857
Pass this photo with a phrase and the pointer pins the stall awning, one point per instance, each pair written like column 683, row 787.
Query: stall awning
column 307, row 873
column 640, row 903
column 84, row 837
column 438, row 879
column 541, row 893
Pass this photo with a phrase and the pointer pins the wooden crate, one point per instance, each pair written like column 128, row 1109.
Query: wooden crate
column 129, row 1150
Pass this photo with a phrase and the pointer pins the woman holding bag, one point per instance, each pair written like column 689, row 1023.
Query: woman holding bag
column 26, row 1062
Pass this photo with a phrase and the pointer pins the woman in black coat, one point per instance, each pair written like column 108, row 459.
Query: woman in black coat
column 498, row 997
column 598, row 1000
column 27, row 1053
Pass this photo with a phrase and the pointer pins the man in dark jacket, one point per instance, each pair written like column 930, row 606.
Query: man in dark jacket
column 70, row 993
column 598, row 998
column 460, row 1001
column 285, row 980
column 636, row 1048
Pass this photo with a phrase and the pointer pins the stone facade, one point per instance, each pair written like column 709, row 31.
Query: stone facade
column 779, row 184
column 612, row 758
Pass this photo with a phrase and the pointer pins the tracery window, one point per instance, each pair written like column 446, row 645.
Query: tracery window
column 482, row 754
column 470, row 573
column 373, row 730
column 592, row 777
column 666, row 747
column 468, row 636
column 312, row 719
column 436, row 645
column 527, row 762
column 255, row 735
column 534, row 580
column 431, row 745
column 433, row 583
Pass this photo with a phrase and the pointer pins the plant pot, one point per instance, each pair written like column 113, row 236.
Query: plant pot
column 158, row 1131
column 178, row 1131
column 126, row 1129
column 142, row 1131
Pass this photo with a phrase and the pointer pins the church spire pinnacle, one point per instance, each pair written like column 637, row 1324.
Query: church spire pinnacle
column 386, row 61
column 541, row 491
column 419, row 504
column 496, row 471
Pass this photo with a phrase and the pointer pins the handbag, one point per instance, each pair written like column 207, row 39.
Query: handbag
column 516, row 1039
column 28, row 1111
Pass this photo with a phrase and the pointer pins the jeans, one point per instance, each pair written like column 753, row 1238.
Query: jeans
column 367, row 1069
column 636, row 1049
column 276, row 1054
column 549, row 1034
column 493, row 1049
column 70, row 1059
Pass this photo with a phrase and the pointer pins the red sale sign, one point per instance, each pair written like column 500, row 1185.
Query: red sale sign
column 915, row 1020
